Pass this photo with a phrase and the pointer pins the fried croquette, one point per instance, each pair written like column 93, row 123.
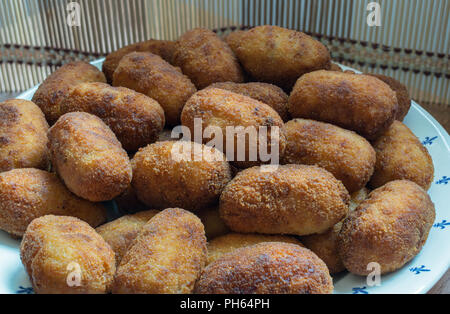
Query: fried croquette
column 221, row 109
column 357, row 102
column 65, row 255
column 404, row 101
column 206, row 59
column 214, row 225
column 162, row 48
column 324, row 245
column 278, row 55
column 26, row 194
column 88, row 157
column 348, row 156
column 23, row 136
column 121, row 232
column 135, row 119
column 269, row 94
column 166, row 257
column 293, row 199
column 400, row 155
column 388, row 228
column 266, row 268
column 53, row 92
column 167, row 174
column 150, row 75
column 232, row 241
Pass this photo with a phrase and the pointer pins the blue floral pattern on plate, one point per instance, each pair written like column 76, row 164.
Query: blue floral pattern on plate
column 429, row 140
column 444, row 223
column 25, row 290
column 360, row 290
column 444, row 180
column 418, row 270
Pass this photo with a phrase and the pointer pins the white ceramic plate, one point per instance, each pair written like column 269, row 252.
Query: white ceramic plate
column 418, row 276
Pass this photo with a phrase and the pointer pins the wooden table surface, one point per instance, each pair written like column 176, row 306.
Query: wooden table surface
column 440, row 114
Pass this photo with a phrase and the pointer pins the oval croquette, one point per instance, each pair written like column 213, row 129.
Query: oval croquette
column 162, row 180
column 400, row 155
column 278, row 55
column 88, row 157
column 348, row 156
column 23, row 136
column 356, row 102
column 206, row 59
column 389, row 228
column 270, row 267
column 26, row 194
column 162, row 48
column 65, row 255
column 166, row 257
column 245, row 117
column 150, row 75
column 135, row 119
column 293, row 199
column 53, row 92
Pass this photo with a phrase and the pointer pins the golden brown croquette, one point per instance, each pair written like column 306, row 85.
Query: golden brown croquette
column 400, row 155
column 389, row 228
column 166, row 257
column 88, row 157
column 356, row 102
column 65, row 255
column 293, row 199
column 150, row 75
column 26, row 194
column 23, row 136
column 269, row 267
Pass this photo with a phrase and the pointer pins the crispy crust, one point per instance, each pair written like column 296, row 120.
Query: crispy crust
column 121, row 232
column 134, row 118
column 232, row 241
column 53, row 92
column 325, row 245
column 162, row 181
column 400, row 155
column 88, row 157
column 348, row 156
column 293, row 199
column 270, row 267
column 388, row 228
column 162, row 48
column 23, row 136
column 278, row 55
column 357, row 102
column 26, row 194
column 150, row 75
column 269, row 94
column 166, row 257
column 206, row 58
column 221, row 108
column 52, row 243
column 404, row 101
